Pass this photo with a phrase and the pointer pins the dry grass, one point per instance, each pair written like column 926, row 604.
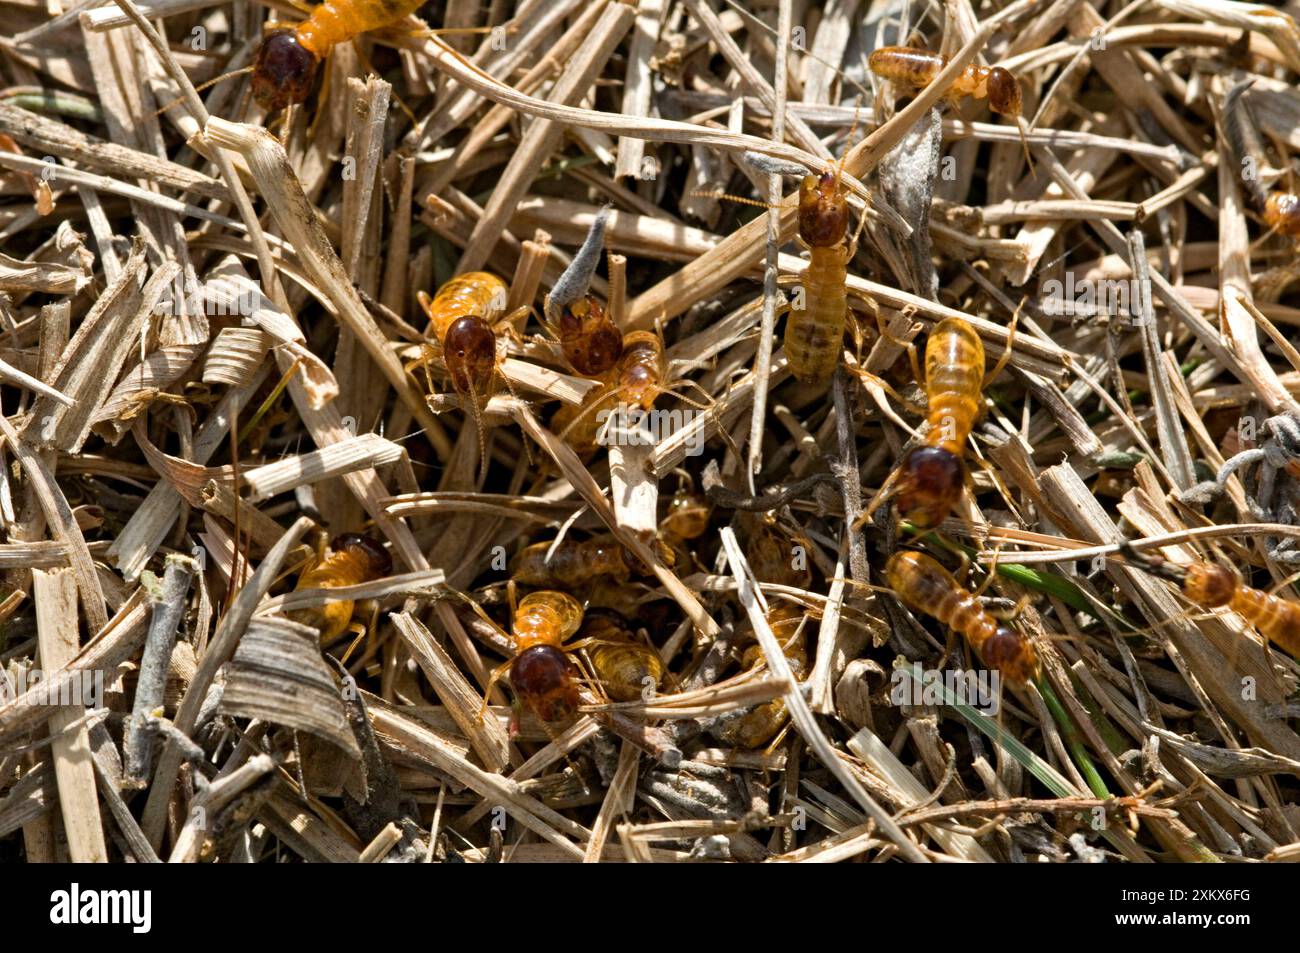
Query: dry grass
column 172, row 467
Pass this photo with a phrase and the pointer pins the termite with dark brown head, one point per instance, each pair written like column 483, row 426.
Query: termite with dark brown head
column 925, row 586
column 460, row 320
column 814, row 334
column 635, row 384
column 543, row 677
column 285, row 67
column 929, row 479
column 907, row 66
column 591, row 343
column 1211, row 586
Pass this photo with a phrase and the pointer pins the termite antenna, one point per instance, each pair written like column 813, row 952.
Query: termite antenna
column 1155, row 565
column 202, row 86
column 730, row 198
column 1024, row 143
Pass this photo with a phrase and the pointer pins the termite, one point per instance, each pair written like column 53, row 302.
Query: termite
column 930, row 477
column 353, row 559
column 1282, row 213
column 624, row 667
column 541, row 673
column 636, row 381
column 925, row 586
column 591, row 342
column 687, row 519
column 1212, row 586
column 758, row 726
column 814, row 334
column 770, row 553
column 908, row 66
column 284, row 69
column 574, row 563
column 460, row 317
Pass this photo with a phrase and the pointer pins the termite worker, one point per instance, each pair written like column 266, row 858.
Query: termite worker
column 925, row 586
column 908, row 66
column 284, row 70
column 1211, row 586
column 352, row 560
column 815, row 333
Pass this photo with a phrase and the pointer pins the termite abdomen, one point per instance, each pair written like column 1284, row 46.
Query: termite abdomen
column 1282, row 211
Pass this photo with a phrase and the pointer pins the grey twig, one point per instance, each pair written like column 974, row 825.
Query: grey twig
column 846, row 470
column 576, row 279
column 168, row 603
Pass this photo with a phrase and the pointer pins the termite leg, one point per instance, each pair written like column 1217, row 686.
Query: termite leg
column 908, row 346
column 359, row 630
column 1006, row 353
column 495, row 677
column 881, row 496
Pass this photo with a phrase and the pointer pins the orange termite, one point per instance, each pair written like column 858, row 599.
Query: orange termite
column 769, row 552
column 284, row 69
column 761, row 723
column 912, row 67
column 930, row 477
column 907, row 66
column 1212, row 586
column 636, row 381
column 459, row 319
column 637, row 377
column 591, row 342
column 541, row 673
column 353, row 559
column 925, row 586
column 814, row 334
column 1282, row 213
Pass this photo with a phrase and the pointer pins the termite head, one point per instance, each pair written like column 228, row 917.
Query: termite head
column 469, row 349
column 369, row 552
column 823, row 210
column 1011, row 654
column 930, row 480
column 1282, row 211
column 1004, row 92
column 1209, row 585
column 592, row 345
column 544, row 679
column 283, row 72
